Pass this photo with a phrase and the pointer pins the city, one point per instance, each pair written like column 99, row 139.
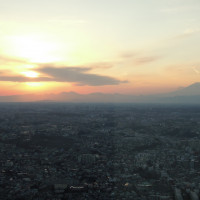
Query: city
column 86, row 151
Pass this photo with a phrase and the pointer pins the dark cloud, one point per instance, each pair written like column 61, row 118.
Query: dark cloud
column 23, row 79
column 77, row 75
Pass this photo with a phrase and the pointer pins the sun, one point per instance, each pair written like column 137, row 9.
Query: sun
column 30, row 74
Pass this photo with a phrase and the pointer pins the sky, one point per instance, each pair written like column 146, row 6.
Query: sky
column 109, row 46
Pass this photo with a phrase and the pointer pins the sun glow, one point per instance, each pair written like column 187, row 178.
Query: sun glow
column 34, row 48
column 30, row 74
column 34, row 84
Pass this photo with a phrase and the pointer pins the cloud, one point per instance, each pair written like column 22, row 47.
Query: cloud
column 187, row 33
column 23, row 79
column 101, row 65
column 183, row 69
column 197, row 71
column 144, row 60
column 138, row 58
column 178, row 9
column 6, row 59
column 77, row 75
column 128, row 55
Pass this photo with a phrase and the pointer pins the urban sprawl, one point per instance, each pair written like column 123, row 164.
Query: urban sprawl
column 58, row 151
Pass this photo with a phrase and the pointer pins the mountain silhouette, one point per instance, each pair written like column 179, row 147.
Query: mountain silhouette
column 185, row 95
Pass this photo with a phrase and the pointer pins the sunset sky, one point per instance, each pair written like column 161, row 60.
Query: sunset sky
column 108, row 46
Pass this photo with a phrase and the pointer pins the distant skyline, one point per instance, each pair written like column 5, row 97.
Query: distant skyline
column 110, row 46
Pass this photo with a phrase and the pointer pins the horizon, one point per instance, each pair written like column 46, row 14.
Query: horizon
column 74, row 92
column 111, row 47
column 184, row 96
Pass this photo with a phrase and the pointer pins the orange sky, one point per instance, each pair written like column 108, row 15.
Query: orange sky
column 129, row 47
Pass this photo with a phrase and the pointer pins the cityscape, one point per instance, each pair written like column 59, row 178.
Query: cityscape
column 61, row 151
column 99, row 100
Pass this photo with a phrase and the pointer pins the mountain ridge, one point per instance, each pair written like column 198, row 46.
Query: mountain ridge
column 189, row 94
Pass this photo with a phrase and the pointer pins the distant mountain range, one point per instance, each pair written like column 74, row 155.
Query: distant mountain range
column 186, row 95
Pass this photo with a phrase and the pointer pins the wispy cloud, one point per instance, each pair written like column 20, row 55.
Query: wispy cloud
column 183, row 69
column 197, row 71
column 77, row 75
column 144, row 60
column 101, row 65
column 128, row 55
column 6, row 59
column 187, row 33
column 176, row 9
column 138, row 58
